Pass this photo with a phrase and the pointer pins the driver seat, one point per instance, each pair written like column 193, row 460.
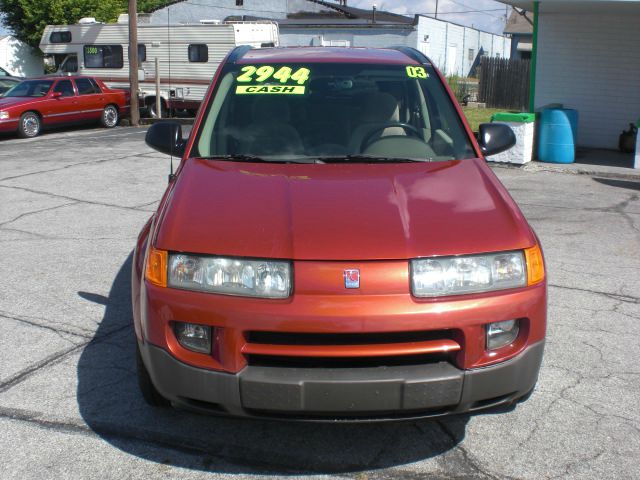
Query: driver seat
column 379, row 109
column 270, row 132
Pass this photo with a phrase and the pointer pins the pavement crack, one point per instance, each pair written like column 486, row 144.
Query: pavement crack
column 46, row 362
column 613, row 296
column 468, row 461
column 54, row 359
column 73, row 199
column 73, row 165
column 57, row 330
column 26, row 214
column 154, row 439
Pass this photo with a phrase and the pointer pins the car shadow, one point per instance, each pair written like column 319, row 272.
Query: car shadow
column 628, row 184
column 111, row 405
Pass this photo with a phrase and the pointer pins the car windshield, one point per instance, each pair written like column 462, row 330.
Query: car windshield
column 331, row 112
column 30, row 88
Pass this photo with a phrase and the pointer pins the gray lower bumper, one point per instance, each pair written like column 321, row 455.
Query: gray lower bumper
column 359, row 393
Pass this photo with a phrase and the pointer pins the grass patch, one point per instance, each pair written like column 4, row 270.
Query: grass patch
column 476, row 116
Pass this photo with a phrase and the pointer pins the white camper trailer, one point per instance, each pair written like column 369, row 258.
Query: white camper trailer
column 188, row 54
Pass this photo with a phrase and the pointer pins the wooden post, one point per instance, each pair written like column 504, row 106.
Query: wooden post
column 133, row 62
column 158, row 98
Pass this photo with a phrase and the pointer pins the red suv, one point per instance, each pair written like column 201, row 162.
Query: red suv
column 334, row 246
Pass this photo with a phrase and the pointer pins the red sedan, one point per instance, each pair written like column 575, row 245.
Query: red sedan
column 34, row 104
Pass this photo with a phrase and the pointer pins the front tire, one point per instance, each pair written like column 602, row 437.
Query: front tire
column 148, row 390
column 110, row 117
column 30, row 125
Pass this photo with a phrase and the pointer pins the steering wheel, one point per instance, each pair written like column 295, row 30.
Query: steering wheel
column 410, row 129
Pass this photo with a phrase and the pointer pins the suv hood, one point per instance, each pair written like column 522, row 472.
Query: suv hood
column 340, row 211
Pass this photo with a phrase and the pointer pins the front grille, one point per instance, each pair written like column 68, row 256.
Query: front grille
column 349, row 350
column 342, row 362
column 381, row 338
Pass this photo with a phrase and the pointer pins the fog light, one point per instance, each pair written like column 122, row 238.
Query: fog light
column 500, row 334
column 194, row 337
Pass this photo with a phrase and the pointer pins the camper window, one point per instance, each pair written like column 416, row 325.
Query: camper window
column 60, row 37
column 198, row 52
column 142, row 53
column 103, row 56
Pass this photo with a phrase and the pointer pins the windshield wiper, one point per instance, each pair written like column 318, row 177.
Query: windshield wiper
column 369, row 159
column 240, row 157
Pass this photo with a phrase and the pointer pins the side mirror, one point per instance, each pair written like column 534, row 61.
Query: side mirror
column 56, row 94
column 495, row 138
column 166, row 137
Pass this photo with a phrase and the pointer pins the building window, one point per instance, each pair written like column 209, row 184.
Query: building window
column 198, row 52
column 239, row 3
column 60, row 37
column 472, row 54
column 103, row 56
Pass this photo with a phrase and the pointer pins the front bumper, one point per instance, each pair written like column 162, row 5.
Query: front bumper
column 9, row 125
column 355, row 394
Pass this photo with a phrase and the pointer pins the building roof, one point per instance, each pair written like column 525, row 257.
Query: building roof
column 357, row 13
column 326, row 55
column 328, row 11
column 331, row 22
column 519, row 24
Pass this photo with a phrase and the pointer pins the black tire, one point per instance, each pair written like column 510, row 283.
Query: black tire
column 153, row 110
column 110, row 116
column 30, row 125
column 148, row 390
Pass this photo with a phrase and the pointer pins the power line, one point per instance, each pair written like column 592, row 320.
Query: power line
column 480, row 11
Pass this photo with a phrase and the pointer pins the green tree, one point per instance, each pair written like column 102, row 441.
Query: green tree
column 28, row 18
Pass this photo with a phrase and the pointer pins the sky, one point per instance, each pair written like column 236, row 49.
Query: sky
column 482, row 14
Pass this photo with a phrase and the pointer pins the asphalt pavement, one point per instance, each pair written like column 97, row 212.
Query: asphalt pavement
column 71, row 205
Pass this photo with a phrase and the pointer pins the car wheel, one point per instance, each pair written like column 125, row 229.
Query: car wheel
column 109, row 117
column 153, row 111
column 30, row 125
column 148, row 390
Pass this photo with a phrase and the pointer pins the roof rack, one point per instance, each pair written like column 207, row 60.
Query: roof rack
column 238, row 52
column 414, row 54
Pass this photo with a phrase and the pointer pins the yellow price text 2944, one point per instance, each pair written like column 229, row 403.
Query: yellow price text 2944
column 251, row 73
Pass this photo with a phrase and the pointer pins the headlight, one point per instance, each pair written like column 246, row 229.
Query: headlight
column 231, row 276
column 4, row 115
column 434, row 277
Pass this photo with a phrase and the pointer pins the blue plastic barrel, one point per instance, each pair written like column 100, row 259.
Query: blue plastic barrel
column 558, row 134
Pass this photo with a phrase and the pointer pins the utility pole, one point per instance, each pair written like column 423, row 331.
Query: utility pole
column 436, row 8
column 133, row 62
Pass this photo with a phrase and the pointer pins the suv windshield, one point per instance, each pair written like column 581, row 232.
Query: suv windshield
column 327, row 111
column 30, row 88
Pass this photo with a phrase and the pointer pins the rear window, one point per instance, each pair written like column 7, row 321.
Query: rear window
column 60, row 37
column 30, row 88
column 103, row 56
column 86, row 86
